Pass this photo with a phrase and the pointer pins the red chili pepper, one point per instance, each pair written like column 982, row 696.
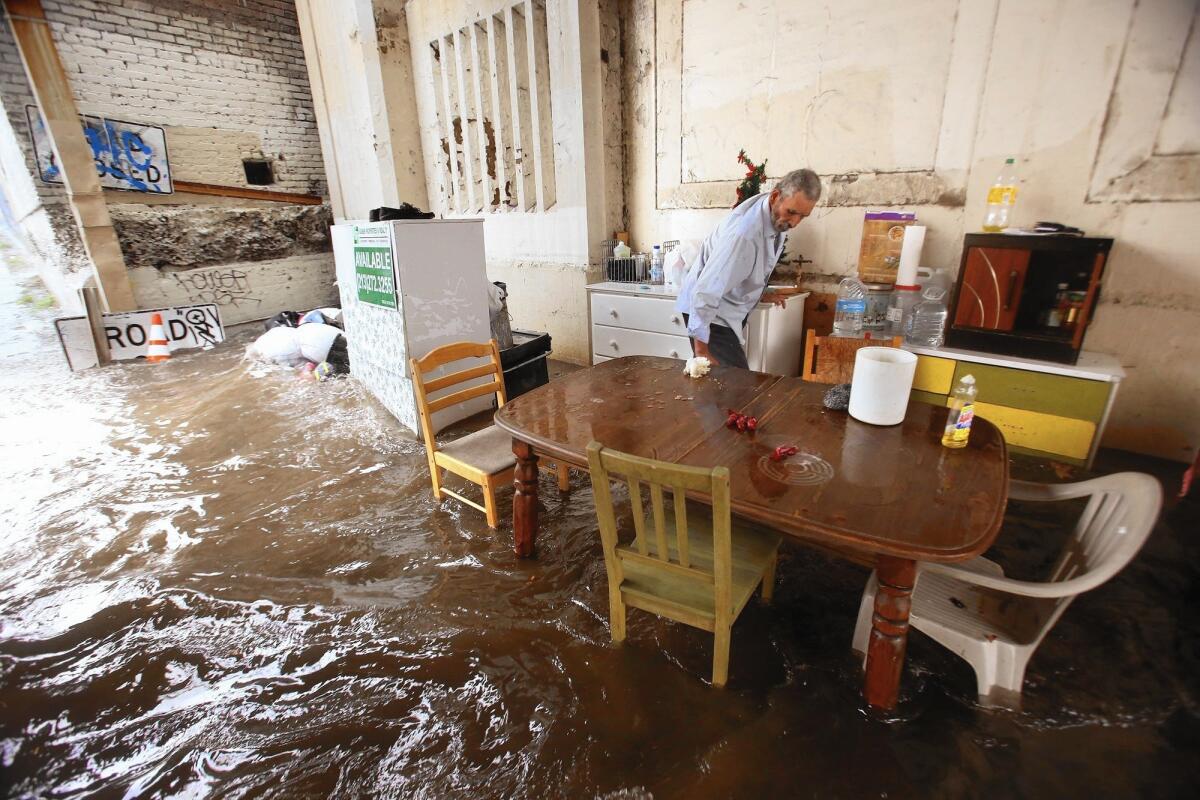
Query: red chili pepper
column 752, row 424
column 741, row 424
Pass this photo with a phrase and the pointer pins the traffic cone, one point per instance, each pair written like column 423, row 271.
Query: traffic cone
column 157, row 349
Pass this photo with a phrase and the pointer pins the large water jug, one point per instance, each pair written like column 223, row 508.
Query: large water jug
column 927, row 325
column 850, row 308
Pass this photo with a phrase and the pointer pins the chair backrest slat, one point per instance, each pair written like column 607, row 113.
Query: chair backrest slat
column 463, row 395
column 639, row 516
column 660, row 529
column 437, row 384
column 679, row 480
column 681, row 529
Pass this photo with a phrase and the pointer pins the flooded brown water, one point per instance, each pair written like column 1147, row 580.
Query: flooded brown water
column 218, row 580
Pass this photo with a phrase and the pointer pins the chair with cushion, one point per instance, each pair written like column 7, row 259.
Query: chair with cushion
column 484, row 457
column 830, row 359
column 699, row 569
column 996, row 623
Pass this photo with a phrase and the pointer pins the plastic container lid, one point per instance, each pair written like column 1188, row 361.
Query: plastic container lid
column 969, row 380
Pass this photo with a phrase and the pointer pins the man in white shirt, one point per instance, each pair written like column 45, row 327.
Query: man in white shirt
column 729, row 277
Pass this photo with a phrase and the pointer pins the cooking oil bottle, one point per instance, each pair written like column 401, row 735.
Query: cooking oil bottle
column 1001, row 198
column 962, row 412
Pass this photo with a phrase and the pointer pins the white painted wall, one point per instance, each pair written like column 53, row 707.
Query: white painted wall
column 1096, row 100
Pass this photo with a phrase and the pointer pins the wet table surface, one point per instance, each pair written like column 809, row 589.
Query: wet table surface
column 889, row 496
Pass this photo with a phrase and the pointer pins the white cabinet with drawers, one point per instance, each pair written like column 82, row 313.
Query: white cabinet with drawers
column 629, row 319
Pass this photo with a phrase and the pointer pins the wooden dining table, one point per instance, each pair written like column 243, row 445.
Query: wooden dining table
column 889, row 497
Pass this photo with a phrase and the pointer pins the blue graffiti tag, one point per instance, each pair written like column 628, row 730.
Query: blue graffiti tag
column 128, row 155
column 115, row 156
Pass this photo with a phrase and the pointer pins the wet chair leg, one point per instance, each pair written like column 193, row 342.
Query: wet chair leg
column 889, row 631
column 525, row 501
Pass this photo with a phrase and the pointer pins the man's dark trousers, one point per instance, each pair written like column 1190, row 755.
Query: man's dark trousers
column 724, row 346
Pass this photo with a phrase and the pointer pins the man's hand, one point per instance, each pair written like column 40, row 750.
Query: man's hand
column 770, row 296
column 701, row 349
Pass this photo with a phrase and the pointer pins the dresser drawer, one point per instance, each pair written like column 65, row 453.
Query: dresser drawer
column 1058, row 395
column 1034, row 430
column 655, row 314
column 617, row 342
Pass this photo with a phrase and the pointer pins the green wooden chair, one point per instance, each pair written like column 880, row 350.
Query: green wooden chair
column 700, row 569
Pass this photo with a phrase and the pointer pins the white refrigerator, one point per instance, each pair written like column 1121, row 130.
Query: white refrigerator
column 437, row 293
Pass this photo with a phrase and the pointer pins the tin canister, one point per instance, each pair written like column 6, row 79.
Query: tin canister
column 879, row 297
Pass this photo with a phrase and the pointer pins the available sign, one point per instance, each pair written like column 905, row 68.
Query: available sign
column 375, row 265
column 128, row 332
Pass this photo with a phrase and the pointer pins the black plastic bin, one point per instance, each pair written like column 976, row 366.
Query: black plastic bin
column 524, row 363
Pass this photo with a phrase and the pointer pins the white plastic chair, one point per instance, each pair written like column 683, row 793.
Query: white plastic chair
column 996, row 623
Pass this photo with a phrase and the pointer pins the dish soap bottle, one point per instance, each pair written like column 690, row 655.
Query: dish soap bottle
column 962, row 412
column 1001, row 198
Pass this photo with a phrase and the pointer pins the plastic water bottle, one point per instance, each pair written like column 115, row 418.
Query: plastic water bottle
column 926, row 326
column 962, row 412
column 904, row 300
column 656, row 266
column 1001, row 198
column 850, row 308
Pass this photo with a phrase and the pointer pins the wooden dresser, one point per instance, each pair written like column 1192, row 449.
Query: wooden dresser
column 630, row 319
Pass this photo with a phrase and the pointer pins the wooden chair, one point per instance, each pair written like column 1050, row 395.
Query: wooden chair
column 484, row 457
column 703, row 573
column 830, row 359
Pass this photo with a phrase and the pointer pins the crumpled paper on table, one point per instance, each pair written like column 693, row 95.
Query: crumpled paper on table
column 697, row 367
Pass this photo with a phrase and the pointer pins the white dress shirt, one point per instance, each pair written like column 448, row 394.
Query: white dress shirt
column 728, row 278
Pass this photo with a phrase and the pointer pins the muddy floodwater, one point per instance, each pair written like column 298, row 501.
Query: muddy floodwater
column 221, row 580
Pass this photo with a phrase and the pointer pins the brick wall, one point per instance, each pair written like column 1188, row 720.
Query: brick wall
column 225, row 78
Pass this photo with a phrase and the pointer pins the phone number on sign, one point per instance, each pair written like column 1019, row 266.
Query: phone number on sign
column 376, row 283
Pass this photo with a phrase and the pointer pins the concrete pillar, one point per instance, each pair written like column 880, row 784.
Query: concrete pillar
column 360, row 69
column 53, row 93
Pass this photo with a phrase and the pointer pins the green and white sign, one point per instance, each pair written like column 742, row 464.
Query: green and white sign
column 375, row 265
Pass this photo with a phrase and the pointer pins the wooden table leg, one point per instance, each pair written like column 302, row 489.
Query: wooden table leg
column 889, row 631
column 525, row 501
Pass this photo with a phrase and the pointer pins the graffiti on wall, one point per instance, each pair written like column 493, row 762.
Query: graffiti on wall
column 225, row 287
column 129, row 155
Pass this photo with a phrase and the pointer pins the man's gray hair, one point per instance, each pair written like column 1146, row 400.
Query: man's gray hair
column 800, row 180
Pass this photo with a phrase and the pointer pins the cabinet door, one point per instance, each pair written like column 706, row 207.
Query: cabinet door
column 990, row 288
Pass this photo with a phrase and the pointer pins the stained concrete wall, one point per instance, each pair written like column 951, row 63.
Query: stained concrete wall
column 226, row 81
column 916, row 107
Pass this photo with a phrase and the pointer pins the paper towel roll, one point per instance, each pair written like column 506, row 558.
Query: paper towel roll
column 910, row 255
column 882, row 380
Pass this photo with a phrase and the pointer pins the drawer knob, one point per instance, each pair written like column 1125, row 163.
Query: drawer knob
column 674, row 354
column 612, row 312
column 675, row 319
column 613, row 344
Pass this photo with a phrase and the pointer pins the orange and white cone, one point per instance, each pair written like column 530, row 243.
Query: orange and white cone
column 157, row 348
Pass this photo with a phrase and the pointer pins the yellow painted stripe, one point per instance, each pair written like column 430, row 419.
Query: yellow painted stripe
column 1036, row 431
column 934, row 375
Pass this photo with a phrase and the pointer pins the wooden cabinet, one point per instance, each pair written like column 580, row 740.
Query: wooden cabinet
column 990, row 288
column 1043, row 408
column 627, row 319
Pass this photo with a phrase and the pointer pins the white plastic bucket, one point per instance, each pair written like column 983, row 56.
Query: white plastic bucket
column 881, row 384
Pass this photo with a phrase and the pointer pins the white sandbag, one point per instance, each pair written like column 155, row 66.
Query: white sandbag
column 315, row 339
column 279, row 345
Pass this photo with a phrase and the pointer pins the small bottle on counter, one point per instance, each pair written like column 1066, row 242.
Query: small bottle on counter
column 656, row 266
column 962, row 412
